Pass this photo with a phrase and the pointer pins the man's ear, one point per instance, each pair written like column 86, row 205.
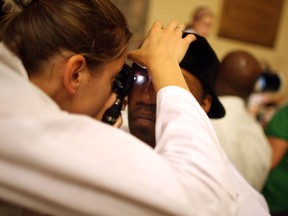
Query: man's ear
column 73, row 73
column 206, row 103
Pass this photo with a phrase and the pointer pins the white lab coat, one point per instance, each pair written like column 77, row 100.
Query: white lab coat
column 65, row 164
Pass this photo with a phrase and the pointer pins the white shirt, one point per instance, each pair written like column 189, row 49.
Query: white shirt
column 65, row 164
column 244, row 141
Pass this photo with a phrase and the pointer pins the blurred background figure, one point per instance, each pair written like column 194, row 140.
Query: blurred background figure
column 268, row 94
column 276, row 187
column 240, row 135
column 201, row 21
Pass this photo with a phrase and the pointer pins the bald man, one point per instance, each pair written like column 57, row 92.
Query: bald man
column 241, row 137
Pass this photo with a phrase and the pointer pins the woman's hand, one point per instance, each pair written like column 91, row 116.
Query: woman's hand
column 111, row 100
column 162, row 44
column 161, row 52
column 107, row 105
column 118, row 122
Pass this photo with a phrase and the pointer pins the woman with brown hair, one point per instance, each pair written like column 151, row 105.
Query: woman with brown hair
column 58, row 63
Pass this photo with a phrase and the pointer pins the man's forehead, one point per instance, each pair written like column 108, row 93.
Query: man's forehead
column 189, row 76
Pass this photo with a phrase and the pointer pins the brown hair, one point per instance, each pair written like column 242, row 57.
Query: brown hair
column 94, row 28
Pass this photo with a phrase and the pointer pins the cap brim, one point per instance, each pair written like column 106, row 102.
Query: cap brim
column 217, row 110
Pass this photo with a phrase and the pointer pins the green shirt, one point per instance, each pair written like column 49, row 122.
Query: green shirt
column 276, row 187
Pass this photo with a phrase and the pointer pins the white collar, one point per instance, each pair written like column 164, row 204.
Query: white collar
column 12, row 61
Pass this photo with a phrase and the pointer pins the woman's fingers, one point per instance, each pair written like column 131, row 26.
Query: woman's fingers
column 161, row 52
column 111, row 100
column 172, row 25
column 118, row 122
column 156, row 26
column 162, row 43
column 189, row 38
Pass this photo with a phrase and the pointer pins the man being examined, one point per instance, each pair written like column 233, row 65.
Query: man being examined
column 199, row 67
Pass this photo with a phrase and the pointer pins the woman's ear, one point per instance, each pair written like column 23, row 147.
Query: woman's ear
column 73, row 73
column 206, row 103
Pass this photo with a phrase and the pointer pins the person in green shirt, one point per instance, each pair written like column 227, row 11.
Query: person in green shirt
column 276, row 188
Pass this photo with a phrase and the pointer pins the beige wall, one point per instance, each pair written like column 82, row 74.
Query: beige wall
column 277, row 57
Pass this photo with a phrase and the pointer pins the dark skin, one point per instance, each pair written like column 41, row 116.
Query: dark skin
column 142, row 107
column 238, row 74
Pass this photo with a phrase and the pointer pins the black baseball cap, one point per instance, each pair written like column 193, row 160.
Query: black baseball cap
column 202, row 62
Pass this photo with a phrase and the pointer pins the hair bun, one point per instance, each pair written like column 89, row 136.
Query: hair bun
column 11, row 6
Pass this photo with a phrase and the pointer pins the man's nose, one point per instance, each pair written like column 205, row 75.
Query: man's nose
column 148, row 95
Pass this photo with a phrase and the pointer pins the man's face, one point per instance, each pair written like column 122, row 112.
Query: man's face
column 142, row 104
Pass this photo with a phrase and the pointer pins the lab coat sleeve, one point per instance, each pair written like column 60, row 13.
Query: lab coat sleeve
column 66, row 164
column 191, row 146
